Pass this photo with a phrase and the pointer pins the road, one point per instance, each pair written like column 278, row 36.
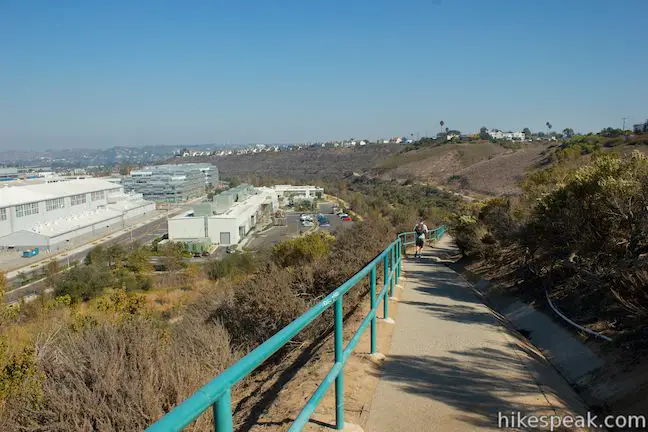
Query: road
column 142, row 235
column 147, row 233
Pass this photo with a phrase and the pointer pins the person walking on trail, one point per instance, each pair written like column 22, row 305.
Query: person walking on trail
column 421, row 231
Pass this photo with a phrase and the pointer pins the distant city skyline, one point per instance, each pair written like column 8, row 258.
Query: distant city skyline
column 104, row 74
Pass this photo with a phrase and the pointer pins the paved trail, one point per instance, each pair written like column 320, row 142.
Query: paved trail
column 454, row 364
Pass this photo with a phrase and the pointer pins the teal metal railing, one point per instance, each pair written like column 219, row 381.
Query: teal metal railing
column 217, row 394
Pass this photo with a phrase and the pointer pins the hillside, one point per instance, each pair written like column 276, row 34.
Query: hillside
column 477, row 167
column 487, row 168
column 305, row 164
column 482, row 166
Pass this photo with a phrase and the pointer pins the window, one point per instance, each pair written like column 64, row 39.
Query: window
column 54, row 204
column 26, row 209
column 78, row 199
column 97, row 196
column 3, row 214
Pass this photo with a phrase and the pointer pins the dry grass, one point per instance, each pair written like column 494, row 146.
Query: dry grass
column 120, row 376
column 114, row 364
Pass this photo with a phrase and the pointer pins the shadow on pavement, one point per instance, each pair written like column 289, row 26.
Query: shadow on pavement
column 465, row 381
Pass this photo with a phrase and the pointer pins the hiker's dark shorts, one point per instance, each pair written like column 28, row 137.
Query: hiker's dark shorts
column 419, row 242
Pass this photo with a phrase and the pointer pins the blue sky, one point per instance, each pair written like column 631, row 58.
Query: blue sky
column 102, row 73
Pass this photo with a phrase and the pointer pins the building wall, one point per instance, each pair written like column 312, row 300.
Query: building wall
column 15, row 230
column 218, row 224
column 24, row 240
column 15, row 223
column 253, row 206
column 187, row 228
column 167, row 183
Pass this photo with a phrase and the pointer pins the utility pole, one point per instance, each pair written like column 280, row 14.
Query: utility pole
column 624, row 120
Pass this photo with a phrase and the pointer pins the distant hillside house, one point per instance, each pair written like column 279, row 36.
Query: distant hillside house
column 511, row 136
column 641, row 127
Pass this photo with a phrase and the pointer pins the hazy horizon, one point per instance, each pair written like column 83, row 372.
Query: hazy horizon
column 98, row 75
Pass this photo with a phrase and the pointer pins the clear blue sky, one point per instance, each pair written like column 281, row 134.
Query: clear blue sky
column 102, row 73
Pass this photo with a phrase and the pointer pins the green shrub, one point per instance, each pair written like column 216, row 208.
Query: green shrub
column 84, row 282
column 230, row 265
column 303, row 249
column 20, row 377
column 468, row 233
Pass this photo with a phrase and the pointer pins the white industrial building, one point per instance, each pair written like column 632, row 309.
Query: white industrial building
column 52, row 215
column 230, row 216
column 172, row 183
column 304, row 192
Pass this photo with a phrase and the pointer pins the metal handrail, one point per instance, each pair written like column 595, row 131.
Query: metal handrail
column 217, row 393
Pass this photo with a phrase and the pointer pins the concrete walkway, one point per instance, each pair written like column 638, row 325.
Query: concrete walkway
column 454, row 364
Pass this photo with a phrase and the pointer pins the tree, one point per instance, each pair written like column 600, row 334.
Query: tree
column 568, row 132
column 97, row 255
column 527, row 132
column 611, row 132
column 125, row 169
column 172, row 255
column 52, row 270
column 139, row 261
column 483, row 133
column 548, row 126
column 84, row 282
column 116, row 254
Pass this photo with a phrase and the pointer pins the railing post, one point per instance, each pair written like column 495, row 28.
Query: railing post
column 392, row 271
column 385, row 282
column 339, row 350
column 373, row 304
column 398, row 262
column 223, row 412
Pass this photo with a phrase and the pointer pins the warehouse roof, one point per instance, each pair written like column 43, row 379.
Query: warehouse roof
column 16, row 195
column 74, row 222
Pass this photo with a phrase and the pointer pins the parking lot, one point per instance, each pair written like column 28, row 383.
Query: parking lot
column 274, row 235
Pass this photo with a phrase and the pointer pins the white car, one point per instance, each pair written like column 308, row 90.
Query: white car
column 307, row 223
column 342, row 215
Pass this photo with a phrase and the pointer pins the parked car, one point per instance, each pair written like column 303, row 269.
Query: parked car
column 343, row 215
column 347, row 218
column 307, row 223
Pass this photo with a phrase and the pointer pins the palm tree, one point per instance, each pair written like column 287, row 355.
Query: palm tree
column 441, row 123
column 548, row 127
